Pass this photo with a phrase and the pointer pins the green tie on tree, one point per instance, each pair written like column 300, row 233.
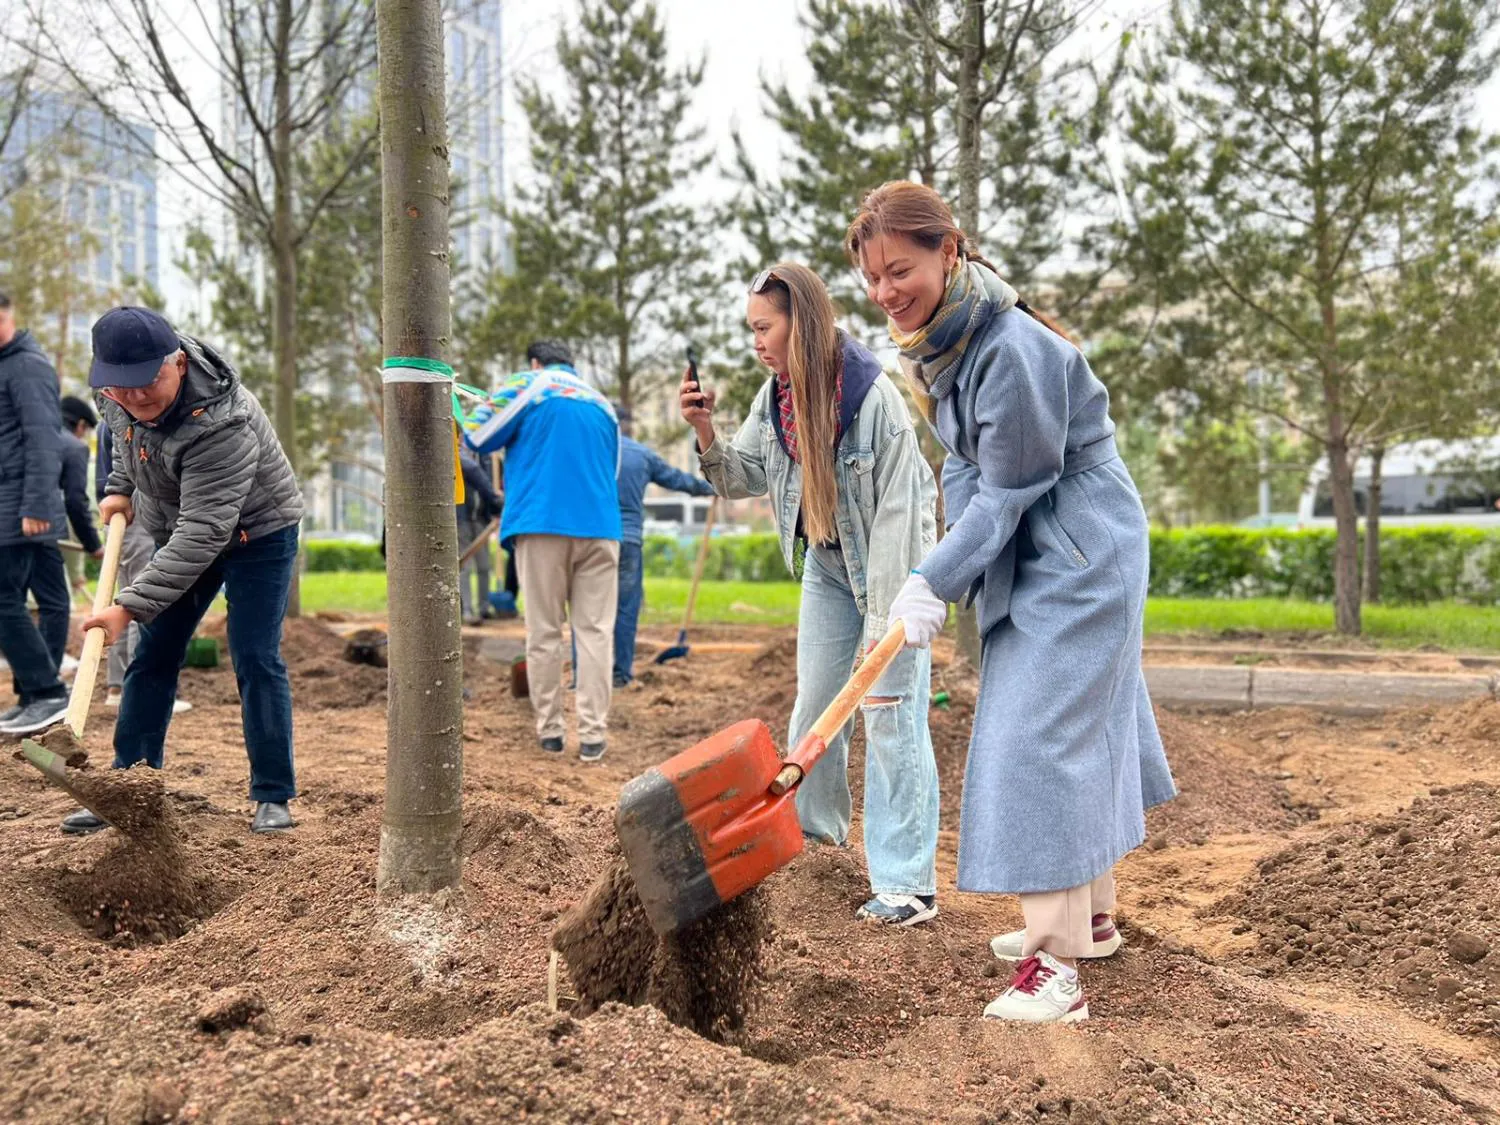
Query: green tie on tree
column 1310, row 190
column 613, row 249
column 423, row 817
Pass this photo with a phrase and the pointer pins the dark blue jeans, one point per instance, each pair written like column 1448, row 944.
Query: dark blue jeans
column 256, row 578
column 628, row 615
column 34, row 650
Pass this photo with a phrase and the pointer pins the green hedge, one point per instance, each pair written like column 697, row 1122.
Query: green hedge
column 334, row 554
column 1418, row 564
column 733, row 558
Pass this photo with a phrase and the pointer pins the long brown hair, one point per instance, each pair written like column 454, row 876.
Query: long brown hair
column 814, row 361
column 915, row 211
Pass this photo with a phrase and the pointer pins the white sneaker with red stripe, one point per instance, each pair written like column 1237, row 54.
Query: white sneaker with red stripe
column 1107, row 941
column 1044, row 990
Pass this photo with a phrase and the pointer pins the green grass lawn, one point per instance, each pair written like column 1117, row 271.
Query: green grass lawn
column 1446, row 624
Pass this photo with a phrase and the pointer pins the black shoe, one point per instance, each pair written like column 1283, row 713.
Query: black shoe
column 11, row 712
column 591, row 751
column 82, row 823
column 272, row 816
column 552, row 745
column 622, row 681
column 36, row 715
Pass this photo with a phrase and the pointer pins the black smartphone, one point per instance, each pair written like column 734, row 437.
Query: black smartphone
column 692, row 358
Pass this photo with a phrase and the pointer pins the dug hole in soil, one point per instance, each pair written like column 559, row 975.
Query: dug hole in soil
column 294, row 994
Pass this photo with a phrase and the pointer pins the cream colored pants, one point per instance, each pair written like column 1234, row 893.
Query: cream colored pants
column 1062, row 922
column 574, row 580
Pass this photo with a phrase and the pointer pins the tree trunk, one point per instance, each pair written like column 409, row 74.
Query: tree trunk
column 419, row 831
column 971, row 34
column 969, row 132
column 284, row 268
column 1372, row 527
column 1346, row 545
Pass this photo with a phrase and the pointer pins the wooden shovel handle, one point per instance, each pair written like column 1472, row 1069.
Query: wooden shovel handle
column 479, row 541
column 708, row 526
column 93, row 640
column 831, row 721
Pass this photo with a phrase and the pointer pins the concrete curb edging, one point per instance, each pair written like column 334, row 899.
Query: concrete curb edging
column 1356, row 693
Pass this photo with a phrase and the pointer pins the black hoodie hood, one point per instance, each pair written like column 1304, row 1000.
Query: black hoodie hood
column 861, row 369
column 22, row 342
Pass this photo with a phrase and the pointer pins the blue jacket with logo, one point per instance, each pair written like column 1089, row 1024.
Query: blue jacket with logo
column 562, row 449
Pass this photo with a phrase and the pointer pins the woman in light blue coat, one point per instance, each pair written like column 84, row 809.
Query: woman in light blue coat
column 830, row 440
column 1048, row 536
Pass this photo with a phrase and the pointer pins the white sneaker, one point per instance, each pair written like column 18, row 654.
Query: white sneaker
column 68, row 666
column 113, row 700
column 1043, row 990
column 1107, row 941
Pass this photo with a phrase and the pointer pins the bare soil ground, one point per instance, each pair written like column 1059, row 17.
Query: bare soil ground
column 1308, row 934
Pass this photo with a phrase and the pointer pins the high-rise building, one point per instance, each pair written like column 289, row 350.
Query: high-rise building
column 474, row 134
column 102, row 172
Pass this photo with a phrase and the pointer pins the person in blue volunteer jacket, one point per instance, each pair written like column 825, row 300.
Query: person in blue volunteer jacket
column 639, row 466
column 561, row 443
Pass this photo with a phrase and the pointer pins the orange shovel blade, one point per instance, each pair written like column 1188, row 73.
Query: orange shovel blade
column 703, row 827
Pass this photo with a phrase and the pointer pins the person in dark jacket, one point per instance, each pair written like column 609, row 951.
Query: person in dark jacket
column 639, row 467
column 79, row 420
column 135, row 555
column 198, row 464
column 481, row 504
column 31, row 522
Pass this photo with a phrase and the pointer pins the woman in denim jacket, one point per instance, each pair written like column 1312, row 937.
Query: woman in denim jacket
column 830, row 440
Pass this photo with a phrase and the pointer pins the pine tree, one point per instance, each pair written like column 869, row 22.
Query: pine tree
column 612, row 250
column 1290, row 165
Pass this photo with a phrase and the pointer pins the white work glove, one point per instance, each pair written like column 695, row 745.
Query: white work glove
column 922, row 612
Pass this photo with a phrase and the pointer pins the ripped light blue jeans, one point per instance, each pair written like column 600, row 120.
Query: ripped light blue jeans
column 901, row 783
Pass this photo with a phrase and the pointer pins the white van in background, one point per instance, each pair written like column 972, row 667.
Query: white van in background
column 1421, row 482
column 683, row 517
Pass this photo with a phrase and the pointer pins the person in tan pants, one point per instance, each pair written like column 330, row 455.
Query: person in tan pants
column 561, row 442
column 580, row 576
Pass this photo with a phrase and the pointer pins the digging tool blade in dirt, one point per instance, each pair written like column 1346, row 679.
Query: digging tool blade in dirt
column 681, row 648
column 710, row 823
column 68, row 735
column 55, row 768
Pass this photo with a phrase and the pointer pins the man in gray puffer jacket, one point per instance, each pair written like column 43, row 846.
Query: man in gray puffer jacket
column 197, row 462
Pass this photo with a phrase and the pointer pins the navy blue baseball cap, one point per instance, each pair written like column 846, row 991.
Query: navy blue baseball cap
column 130, row 345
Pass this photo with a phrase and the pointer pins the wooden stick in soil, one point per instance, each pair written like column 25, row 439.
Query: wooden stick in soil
column 61, row 746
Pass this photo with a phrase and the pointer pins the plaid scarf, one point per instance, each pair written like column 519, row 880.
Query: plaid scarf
column 789, row 415
column 930, row 355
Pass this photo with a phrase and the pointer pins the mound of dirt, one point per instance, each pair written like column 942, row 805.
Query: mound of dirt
column 1221, row 788
column 1477, row 721
column 322, row 678
column 145, row 887
column 608, row 942
column 1410, row 902
column 702, row 977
